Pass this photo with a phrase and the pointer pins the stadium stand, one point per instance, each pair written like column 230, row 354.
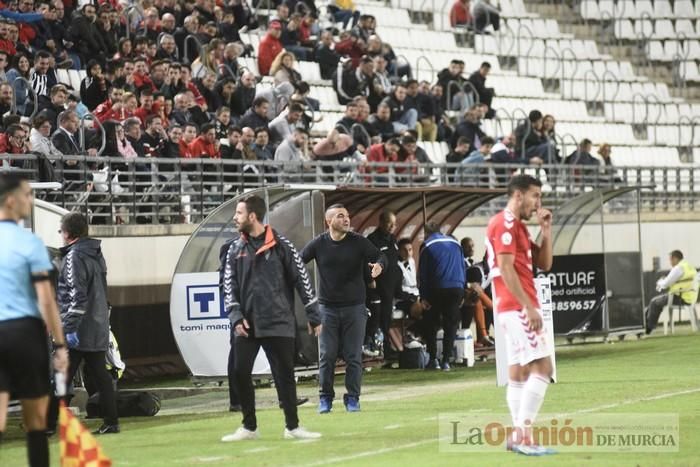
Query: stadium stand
column 534, row 65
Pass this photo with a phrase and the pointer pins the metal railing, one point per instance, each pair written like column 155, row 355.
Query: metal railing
column 159, row 190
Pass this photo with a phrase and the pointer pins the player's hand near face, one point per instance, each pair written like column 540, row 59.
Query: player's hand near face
column 544, row 216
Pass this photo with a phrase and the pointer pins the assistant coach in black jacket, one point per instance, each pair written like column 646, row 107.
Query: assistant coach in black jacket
column 82, row 301
column 262, row 270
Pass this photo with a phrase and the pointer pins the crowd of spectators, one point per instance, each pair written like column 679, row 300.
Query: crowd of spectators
column 165, row 78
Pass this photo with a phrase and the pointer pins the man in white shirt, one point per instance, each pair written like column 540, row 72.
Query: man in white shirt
column 679, row 282
column 409, row 300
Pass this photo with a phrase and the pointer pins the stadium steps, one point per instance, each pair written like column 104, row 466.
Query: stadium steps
column 651, row 60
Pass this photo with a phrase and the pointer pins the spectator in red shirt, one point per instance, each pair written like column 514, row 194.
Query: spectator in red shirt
column 112, row 106
column 189, row 134
column 270, row 47
column 206, row 145
column 142, row 80
column 459, row 14
column 384, row 152
column 148, row 106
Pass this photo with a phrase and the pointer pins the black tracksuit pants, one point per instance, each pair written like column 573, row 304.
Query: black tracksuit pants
column 444, row 309
column 280, row 354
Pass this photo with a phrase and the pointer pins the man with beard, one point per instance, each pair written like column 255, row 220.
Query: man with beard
column 262, row 270
column 244, row 94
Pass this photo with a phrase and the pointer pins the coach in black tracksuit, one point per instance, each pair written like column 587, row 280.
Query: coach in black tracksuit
column 262, row 270
column 388, row 283
column 342, row 257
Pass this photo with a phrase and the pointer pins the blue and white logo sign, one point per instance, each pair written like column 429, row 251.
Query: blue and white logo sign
column 204, row 302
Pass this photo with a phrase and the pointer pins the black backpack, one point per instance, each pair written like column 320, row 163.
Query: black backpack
column 129, row 404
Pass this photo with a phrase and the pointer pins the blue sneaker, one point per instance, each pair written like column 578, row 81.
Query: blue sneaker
column 325, row 404
column 352, row 403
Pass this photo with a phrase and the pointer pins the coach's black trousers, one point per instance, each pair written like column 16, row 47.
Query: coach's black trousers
column 280, row 355
column 444, row 308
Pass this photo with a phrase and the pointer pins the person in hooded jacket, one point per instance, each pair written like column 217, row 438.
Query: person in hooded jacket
column 82, row 301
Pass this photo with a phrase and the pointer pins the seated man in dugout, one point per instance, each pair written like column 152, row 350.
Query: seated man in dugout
column 679, row 282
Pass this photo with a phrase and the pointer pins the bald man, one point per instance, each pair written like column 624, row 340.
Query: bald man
column 342, row 260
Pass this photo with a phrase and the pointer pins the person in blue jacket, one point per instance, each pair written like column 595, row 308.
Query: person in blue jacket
column 441, row 280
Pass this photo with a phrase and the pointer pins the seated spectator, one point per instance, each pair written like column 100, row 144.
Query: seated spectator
column 343, row 11
column 256, row 116
column 244, row 94
column 270, row 47
column 167, row 48
column 263, row 150
column 132, row 130
column 65, row 138
column 154, row 136
column 478, row 80
column 460, row 14
column 206, row 63
column 206, row 145
column 207, row 88
column 40, row 138
column 537, row 149
column 410, row 151
column 57, row 104
column 112, row 106
column 278, row 97
column 291, row 150
column 485, row 14
column 86, row 35
column 382, row 75
column 148, row 106
column 326, row 55
column 352, row 46
column 171, row 148
column 291, row 38
column 20, row 67
column 383, row 153
column 452, row 82
column 478, row 156
column 582, row 154
column 402, row 118
column 189, row 133
column 222, row 122
column 232, row 150
column 470, row 128
column 366, row 26
column 285, row 123
column 381, row 123
column 7, row 98
column 604, row 151
column 349, row 119
column 282, row 68
column 548, row 124
column 94, row 87
column 458, row 154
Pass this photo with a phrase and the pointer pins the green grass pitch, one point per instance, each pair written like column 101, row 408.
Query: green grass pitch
column 398, row 423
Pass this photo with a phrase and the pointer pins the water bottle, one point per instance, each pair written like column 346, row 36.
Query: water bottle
column 60, row 381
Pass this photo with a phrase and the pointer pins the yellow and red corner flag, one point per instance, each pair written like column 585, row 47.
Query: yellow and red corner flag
column 78, row 446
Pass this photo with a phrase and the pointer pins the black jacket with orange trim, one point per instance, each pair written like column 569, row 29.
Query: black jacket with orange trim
column 259, row 286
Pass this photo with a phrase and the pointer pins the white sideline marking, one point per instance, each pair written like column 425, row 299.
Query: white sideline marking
column 392, row 427
column 377, row 452
column 261, row 449
column 427, row 419
column 306, row 441
column 210, row 459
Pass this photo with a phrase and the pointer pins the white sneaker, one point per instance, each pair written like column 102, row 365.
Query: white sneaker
column 241, row 434
column 300, row 433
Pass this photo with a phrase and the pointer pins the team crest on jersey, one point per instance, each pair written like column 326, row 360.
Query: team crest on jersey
column 506, row 238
